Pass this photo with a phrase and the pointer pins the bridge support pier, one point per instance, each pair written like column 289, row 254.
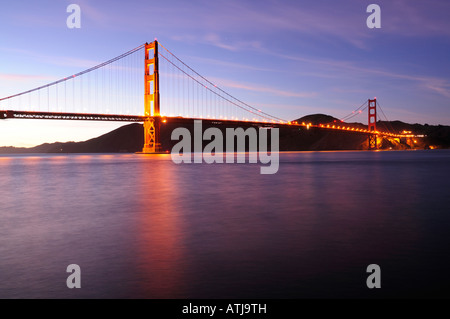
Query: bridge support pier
column 152, row 126
column 373, row 142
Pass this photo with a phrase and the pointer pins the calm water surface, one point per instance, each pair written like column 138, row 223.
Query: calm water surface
column 142, row 227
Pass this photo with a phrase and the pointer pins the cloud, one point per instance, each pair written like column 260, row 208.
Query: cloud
column 440, row 86
column 235, row 25
column 238, row 66
column 24, row 77
column 350, row 90
column 423, row 19
column 431, row 83
column 54, row 60
column 272, row 19
column 214, row 39
column 293, row 112
column 264, row 89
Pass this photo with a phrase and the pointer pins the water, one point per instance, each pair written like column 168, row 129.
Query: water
column 142, row 227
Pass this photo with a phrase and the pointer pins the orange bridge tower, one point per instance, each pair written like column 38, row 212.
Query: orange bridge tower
column 372, row 123
column 152, row 123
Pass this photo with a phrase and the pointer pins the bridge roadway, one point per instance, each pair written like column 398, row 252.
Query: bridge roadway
column 9, row 114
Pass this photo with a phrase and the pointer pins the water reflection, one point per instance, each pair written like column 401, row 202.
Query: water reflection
column 143, row 227
column 160, row 250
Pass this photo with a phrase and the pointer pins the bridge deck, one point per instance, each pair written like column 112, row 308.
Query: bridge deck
column 139, row 118
column 69, row 116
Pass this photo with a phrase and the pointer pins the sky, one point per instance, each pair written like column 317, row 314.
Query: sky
column 287, row 58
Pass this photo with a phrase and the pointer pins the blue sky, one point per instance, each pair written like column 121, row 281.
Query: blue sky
column 288, row 58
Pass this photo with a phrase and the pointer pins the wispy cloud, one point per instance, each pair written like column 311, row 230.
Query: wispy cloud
column 349, row 90
column 234, row 65
column 24, row 77
column 252, row 67
column 431, row 83
column 216, row 40
column 260, row 88
column 68, row 61
column 418, row 18
column 298, row 110
column 102, row 14
column 440, row 86
column 231, row 24
column 65, row 61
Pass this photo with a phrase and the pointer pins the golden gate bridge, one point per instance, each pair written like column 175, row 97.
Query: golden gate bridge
column 169, row 90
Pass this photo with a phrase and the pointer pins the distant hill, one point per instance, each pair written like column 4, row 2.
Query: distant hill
column 129, row 138
column 316, row 119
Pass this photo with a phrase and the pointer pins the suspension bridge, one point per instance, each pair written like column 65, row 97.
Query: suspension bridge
column 167, row 90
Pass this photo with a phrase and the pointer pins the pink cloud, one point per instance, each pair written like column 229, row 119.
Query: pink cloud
column 264, row 89
column 24, row 77
column 407, row 18
column 54, row 60
column 430, row 83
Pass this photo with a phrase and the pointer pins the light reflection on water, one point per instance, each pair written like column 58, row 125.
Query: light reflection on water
column 143, row 227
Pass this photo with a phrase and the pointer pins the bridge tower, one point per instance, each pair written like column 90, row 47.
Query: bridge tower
column 372, row 123
column 152, row 123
